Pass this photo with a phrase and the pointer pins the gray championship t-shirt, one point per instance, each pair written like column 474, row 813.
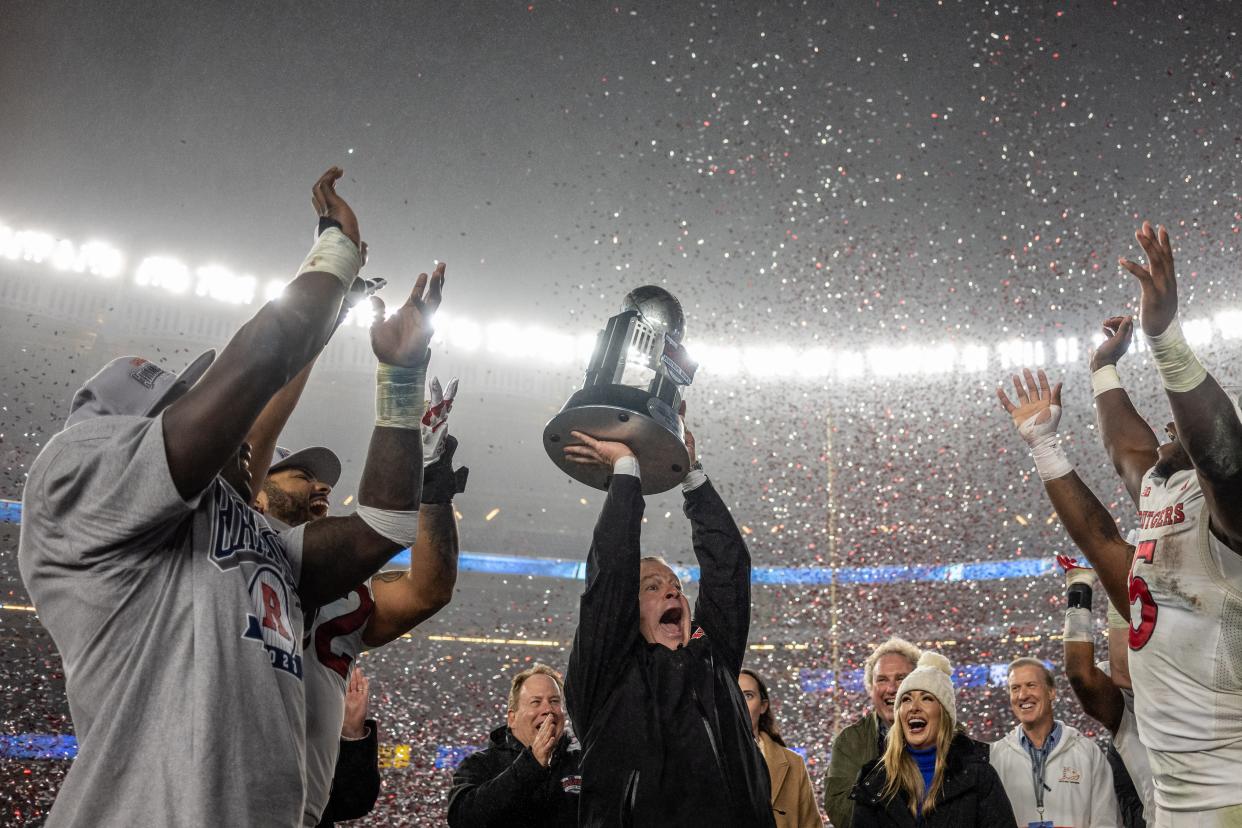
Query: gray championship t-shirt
column 180, row 629
column 332, row 645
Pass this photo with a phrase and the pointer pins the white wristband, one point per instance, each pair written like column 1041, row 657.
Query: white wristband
column 627, row 465
column 1050, row 459
column 1179, row 368
column 399, row 527
column 1105, row 379
column 1078, row 625
column 693, row 479
column 366, row 731
column 334, row 253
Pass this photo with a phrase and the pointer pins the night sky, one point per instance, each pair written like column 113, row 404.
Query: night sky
column 837, row 174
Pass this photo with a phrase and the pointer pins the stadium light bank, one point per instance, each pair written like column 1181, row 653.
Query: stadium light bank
column 540, row 344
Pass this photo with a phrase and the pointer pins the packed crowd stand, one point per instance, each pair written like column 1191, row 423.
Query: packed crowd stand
column 193, row 582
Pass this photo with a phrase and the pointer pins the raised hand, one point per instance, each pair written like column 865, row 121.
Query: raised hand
column 402, row 339
column 1120, row 333
column 330, row 205
column 1038, row 410
column 357, row 699
column 592, row 452
column 1158, row 305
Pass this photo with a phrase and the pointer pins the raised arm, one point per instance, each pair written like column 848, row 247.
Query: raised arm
column 722, row 607
column 1036, row 416
column 1206, row 420
column 403, row 600
column 608, row 610
column 1099, row 696
column 1129, row 440
column 265, row 432
column 204, row 429
column 340, row 553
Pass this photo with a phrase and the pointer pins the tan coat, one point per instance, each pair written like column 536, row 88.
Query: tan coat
column 793, row 798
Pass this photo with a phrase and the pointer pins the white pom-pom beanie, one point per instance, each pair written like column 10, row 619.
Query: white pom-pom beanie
column 933, row 675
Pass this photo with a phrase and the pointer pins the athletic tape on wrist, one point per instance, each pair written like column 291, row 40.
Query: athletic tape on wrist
column 1078, row 625
column 1105, row 379
column 399, row 527
column 399, row 400
column 1080, row 575
column 1115, row 619
column 334, row 253
column 1050, row 459
column 1180, row 369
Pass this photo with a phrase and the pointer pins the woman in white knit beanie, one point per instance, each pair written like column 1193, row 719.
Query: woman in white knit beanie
column 931, row 773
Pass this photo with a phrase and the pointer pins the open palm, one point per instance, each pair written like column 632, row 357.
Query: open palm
column 402, row 339
column 1035, row 399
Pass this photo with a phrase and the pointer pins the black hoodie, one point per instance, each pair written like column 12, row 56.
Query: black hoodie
column 666, row 737
column 504, row 786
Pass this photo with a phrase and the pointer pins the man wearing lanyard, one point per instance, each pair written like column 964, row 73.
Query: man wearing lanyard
column 1054, row 776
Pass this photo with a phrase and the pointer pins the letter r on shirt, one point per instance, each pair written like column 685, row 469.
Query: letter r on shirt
column 272, row 613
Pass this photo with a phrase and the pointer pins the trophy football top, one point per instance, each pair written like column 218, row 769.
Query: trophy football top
column 659, row 309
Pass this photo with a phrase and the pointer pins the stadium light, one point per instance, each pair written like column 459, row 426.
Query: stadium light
column 224, row 285
column 538, row 344
column 1066, row 349
column 102, row 259
column 163, row 272
column 1197, row 331
column 1229, row 324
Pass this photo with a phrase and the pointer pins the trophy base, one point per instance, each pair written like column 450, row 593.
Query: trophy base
column 644, row 423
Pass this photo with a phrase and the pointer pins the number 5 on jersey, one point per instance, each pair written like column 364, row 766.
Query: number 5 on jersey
column 1139, row 591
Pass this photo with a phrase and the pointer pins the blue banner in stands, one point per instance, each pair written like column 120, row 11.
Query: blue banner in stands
column 11, row 512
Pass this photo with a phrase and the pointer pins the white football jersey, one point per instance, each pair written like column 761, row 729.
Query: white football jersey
column 330, row 650
column 1186, row 647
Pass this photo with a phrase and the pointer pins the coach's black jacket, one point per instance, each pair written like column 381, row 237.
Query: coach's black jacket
column 504, row 786
column 665, row 733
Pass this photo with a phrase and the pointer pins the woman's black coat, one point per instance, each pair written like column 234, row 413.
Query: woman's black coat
column 972, row 795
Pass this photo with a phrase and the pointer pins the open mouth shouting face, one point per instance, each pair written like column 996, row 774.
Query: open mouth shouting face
column 294, row 496
column 919, row 713
column 319, row 504
column 663, row 611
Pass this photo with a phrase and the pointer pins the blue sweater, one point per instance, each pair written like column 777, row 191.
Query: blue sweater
column 926, row 760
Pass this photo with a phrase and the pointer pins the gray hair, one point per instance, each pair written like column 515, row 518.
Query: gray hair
column 894, row 646
column 1026, row 661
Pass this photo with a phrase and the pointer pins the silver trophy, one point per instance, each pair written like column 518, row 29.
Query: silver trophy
column 632, row 392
